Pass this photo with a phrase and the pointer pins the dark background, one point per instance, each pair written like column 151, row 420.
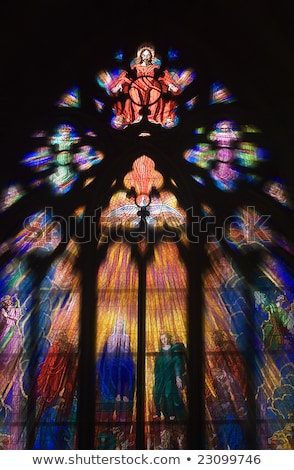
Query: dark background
column 47, row 46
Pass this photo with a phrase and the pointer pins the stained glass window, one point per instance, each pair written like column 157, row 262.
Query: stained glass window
column 146, row 275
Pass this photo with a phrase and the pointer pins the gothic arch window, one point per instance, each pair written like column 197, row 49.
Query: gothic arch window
column 146, row 271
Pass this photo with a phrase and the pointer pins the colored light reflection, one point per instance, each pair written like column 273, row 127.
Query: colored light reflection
column 60, row 162
column 10, row 196
column 70, row 99
column 220, row 94
column 278, row 191
column 226, row 156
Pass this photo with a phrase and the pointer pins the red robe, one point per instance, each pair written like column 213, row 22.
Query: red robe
column 57, row 376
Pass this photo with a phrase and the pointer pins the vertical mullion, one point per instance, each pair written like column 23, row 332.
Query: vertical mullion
column 32, row 421
column 140, row 418
column 250, row 359
column 196, row 370
column 87, row 361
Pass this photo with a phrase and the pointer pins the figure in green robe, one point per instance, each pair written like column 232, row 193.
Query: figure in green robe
column 275, row 327
column 169, row 371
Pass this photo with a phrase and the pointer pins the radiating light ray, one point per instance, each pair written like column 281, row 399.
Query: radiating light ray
column 249, row 228
column 38, row 232
column 40, row 160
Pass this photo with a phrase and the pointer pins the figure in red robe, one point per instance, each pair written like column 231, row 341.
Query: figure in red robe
column 57, row 377
column 145, row 89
